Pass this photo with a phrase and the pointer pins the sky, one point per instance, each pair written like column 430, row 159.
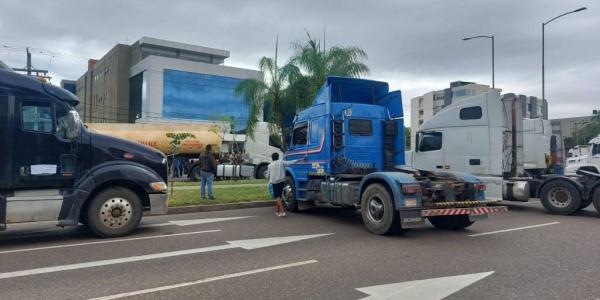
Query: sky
column 416, row 46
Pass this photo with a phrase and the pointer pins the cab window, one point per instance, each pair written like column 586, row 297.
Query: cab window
column 300, row 135
column 429, row 141
column 360, row 127
column 62, row 125
column 37, row 117
column 314, row 132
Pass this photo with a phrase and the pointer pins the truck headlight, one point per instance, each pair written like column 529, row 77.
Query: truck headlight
column 160, row 186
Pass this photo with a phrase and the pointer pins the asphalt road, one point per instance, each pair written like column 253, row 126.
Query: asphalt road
column 327, row 254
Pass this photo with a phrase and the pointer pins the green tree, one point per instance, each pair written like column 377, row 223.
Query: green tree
column 271, row 90
column 590, row 130
column 285, row 90
column 317, row 62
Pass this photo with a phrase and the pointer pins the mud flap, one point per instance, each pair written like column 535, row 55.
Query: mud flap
column 411, row 218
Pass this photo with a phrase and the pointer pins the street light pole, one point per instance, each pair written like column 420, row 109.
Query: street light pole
column 493, row 59
column 543, row 48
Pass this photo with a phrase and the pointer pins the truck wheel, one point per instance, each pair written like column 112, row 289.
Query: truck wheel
column 289, row 195
column 560, row 197
column 596, row 199
column 377, row 209
column 260, row 172
column 451, row 222
column 114, row 212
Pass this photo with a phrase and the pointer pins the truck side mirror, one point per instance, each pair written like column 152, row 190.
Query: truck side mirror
column 74, row 125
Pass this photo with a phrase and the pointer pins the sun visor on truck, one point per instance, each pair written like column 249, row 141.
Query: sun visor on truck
column 393, row 102
column 61, row 94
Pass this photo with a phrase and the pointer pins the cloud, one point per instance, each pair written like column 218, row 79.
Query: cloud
column 415, row 45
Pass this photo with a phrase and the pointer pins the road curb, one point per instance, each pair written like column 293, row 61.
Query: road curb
column 217, row 207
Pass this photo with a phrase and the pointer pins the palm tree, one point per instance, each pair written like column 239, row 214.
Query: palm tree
column 269, row 90
column 317, row 63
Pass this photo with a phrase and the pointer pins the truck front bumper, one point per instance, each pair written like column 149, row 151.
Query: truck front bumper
column 159, row 204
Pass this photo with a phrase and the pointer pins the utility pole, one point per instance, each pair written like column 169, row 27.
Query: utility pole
column 30, row 69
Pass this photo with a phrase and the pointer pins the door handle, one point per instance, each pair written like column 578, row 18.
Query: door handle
column 439, row 167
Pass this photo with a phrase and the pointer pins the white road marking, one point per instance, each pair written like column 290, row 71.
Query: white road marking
column 244, row 244
column 513, row 229
column 427, row 289
column 193, row 221
column 107, row 241
column 206, row 280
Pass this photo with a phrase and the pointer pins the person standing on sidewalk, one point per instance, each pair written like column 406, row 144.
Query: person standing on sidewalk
column 276, row 175
column 208, row 170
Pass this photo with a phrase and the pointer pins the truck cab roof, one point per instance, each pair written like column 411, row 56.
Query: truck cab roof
column 10, row 79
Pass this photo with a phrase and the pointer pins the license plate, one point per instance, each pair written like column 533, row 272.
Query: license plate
column 410, row 202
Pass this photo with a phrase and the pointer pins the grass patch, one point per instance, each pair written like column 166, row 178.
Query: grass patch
column 221, row 182
column 222, row 196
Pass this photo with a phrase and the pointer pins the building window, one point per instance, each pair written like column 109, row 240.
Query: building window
column 188, row 95
column 360, row 127
column 471, row 113
column 429, row 141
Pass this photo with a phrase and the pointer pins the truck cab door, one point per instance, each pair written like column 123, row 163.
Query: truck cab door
column 429, row 154
column 43, row 155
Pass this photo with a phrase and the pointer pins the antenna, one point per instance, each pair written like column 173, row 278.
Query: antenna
column 324, row 48
column 276, row 67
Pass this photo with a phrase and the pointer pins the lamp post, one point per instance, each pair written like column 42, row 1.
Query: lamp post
column 492, row 38
column 543, row 54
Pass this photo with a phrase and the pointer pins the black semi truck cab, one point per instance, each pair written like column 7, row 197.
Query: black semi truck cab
column 52, row 168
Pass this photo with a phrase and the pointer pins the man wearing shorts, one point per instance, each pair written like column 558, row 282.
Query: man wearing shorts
column 276, row 175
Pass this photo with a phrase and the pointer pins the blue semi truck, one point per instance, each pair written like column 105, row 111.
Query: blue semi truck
column 352, row 138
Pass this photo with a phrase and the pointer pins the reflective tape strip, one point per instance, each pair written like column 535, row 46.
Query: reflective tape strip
column 463, row 211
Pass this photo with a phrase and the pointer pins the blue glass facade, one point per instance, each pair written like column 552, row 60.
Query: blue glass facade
column 199, row 96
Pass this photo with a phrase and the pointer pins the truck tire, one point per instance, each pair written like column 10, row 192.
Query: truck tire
column 584, row 203
column 596, row 199
column 560, row 197
column 378, row 212
column 114, row 212
column 260, row 172
column 289, row 195
column 451, row 222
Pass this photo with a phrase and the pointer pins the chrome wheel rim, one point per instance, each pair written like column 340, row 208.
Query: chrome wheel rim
column 560, row 197
column 375, row 209
column 287, row 194
column 115, row 212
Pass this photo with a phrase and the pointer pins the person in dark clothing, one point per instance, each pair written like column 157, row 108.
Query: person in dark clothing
column 208, row 170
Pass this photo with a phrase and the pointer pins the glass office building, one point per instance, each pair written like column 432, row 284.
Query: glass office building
column 190, row 95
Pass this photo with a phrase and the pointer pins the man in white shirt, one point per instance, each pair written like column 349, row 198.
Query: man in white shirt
column 276, row 175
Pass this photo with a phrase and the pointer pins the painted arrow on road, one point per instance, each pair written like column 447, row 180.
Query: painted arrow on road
column 244, row 244
column 193, row 221
column 427, row 289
